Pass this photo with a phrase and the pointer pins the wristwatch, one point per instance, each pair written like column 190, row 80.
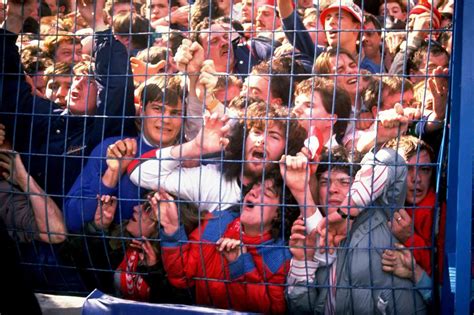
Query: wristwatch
column 345, row 215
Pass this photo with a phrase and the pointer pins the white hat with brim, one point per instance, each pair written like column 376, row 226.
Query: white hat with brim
column 344, row 5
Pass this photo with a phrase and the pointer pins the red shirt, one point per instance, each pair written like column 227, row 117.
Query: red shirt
column 422, row 218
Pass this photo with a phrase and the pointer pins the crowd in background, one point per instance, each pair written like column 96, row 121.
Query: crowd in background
column 257, row 155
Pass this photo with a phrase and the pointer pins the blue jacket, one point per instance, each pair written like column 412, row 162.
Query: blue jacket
column 54, row 142
column 81, row 202
column 245, row 58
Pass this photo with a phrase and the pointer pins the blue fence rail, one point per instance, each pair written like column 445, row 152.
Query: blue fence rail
column 456, row 297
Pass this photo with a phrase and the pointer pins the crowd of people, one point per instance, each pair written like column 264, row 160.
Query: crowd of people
column 254, row 155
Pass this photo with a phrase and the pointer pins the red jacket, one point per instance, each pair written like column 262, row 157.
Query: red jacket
column 422, row 218
column 254, row 282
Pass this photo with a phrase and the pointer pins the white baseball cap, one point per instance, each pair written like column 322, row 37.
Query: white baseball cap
column 346, row 5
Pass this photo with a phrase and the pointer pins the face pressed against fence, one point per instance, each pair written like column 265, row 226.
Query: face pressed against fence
column 162, row 124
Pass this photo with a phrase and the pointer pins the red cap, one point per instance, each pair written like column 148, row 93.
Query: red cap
column 424, row 6
column 345, row 5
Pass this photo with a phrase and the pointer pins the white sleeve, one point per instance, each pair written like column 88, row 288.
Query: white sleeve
column 194, row 118
column 150, row 173
column 313, row 221
column 373, row 177
column 318, row 258
column 302, row 271
column 204, row 185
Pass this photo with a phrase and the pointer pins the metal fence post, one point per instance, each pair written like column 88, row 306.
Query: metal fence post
column 456, row 292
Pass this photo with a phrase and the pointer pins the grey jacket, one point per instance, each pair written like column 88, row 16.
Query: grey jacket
column 362, row 286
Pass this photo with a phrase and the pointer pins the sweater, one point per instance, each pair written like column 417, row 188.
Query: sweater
column 253, row 282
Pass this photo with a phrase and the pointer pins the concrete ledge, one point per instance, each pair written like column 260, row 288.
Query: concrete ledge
column 60, row 304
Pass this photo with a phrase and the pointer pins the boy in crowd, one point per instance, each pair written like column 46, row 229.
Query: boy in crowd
column 255, row 144
column 59, row 137
column 352, row 280
column 162, row 121
column 63, row 47
column 58, row 78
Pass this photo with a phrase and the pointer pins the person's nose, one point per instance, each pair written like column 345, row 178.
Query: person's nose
column 414, row 176
column 62, row 91
column 260, row 141
column 166, row 118
column 332, row 21
column 333, row 188
column 298, row 111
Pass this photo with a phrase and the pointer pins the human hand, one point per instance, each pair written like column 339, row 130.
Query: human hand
column 120, row 154
column 399, row 262
column 230, row 248
column 302, row 246
column 189, row 57
column 212, row 137
column 207, row 80
column 165, row 209
column 148, row 253
column 438, row 84
column 412, row 114
column 419, row 25
column 143, row 70
column 393, row 41
column 391, row 124
column 105, row 212
column 332, row 230
column 401, row 225
column 13, row 169
column 296, row 172
column 364, row 121
column 181, row 16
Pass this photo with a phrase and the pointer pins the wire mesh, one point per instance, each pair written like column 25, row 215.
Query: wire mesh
column 262, row 156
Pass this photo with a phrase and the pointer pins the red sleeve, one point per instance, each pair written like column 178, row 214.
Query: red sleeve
column 261, row 292
column 423, row 254
column 440, row 240
column 180, row 258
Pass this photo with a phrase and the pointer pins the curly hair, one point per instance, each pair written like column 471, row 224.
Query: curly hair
column 260, row 116
column 204, row 9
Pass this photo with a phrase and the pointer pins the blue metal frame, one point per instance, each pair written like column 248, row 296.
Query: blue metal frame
column 456, row 292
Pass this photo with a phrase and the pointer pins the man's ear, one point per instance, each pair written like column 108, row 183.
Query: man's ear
column 172, row 9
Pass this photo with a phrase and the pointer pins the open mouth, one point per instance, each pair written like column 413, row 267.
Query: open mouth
column 418, row 191
column 248, row 206
column 258, row 155
column 74, row 95
column 352, row 81
column 331, row 34
column 163, row 130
